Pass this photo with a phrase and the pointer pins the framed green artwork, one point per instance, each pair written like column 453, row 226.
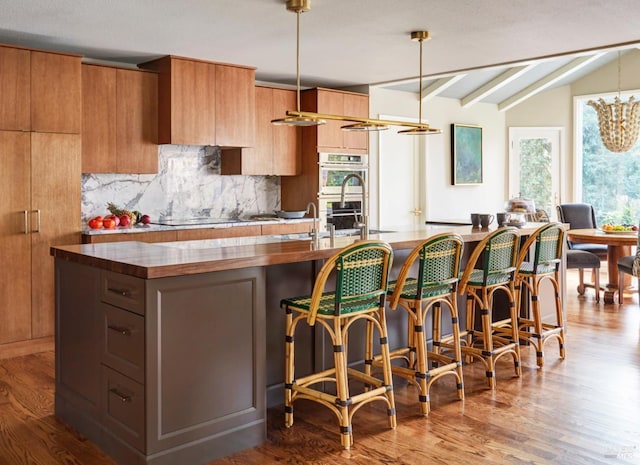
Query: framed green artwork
column 466, row 154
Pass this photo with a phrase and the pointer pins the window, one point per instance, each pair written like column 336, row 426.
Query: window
column 607, row 180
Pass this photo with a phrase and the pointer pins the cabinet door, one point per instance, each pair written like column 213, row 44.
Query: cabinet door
column 15, row 97
column 55, row 194
column 56, row 93
column 137, row 122
column 235, row 106
column 257, row 160
column 356, row 105
column 286, row 151
column 192, row 103
column 15, row 243
column 98, row 119
column 330, row 134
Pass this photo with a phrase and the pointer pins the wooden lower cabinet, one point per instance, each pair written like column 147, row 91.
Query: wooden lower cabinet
column 162, row 371
column 43, row 192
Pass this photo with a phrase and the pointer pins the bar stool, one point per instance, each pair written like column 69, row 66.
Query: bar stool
column 496, row 256
column 435, row 286
column 360, row 273
column 539, row 261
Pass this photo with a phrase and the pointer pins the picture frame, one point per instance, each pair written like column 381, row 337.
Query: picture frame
column 466, row 154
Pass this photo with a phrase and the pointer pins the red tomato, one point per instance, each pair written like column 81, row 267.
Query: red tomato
column 114, row 218
column 145, row 219
column 125, row 220
column 109, row 223
column 95, row 223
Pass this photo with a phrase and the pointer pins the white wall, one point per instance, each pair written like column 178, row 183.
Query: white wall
column 447, row 202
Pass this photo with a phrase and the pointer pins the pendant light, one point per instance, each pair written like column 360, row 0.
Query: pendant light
column 298, row 7
column 423, row 129
column 618, row 121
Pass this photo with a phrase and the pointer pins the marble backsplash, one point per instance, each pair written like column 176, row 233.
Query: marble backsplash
column 188, row 185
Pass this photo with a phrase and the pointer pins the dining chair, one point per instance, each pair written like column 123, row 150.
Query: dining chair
column 581, row 216
column 433, row 289
column 629, row 265
column 491, row 270
column 358, row 273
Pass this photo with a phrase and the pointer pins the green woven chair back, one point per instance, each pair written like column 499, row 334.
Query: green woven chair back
column 501, row 254
column 549, row 242
column 362, row 272
column 439, row 262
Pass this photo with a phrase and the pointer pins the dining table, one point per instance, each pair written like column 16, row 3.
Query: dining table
column 618, row 244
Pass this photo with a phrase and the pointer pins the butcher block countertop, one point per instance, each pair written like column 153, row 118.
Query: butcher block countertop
column 160, row 260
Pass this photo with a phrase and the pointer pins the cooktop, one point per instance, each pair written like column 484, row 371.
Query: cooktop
column 195, row 221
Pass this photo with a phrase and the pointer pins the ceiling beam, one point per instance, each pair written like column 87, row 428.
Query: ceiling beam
column 440, row 85
column 547, row 81
column 495, row 84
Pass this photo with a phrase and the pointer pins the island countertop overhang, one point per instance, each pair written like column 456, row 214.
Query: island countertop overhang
column 153, row 260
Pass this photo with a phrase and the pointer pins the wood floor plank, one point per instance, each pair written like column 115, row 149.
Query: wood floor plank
column 583, row 410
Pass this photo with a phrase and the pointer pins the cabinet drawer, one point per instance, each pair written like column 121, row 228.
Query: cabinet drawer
column 123, row 342
column 122, row 291
column 123, row 407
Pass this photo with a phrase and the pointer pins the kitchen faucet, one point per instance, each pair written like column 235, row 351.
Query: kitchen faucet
column 314, row 231
column 363, row 225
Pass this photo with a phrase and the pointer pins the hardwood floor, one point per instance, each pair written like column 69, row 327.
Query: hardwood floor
column 583, row 410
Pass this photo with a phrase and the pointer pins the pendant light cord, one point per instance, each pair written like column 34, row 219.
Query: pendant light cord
column 298, row 13
column 420, row 104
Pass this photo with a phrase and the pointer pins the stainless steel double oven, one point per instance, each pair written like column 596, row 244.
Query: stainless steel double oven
column 333, row 169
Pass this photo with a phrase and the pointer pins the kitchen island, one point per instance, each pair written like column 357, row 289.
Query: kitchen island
column 170, row 353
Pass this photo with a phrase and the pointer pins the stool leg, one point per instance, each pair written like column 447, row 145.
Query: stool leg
column 457, row 352
column 537, row 336
column 515, row 337
column 386, row 364
column 342, row 384
column 487, row 340
column 421, row 359
column 560, row 315
column 289, row 369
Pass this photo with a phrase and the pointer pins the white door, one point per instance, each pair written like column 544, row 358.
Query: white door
column 534, row 166
column 402, row 197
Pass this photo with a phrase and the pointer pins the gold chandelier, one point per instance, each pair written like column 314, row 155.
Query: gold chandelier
column 306, row 118
column 618, row 121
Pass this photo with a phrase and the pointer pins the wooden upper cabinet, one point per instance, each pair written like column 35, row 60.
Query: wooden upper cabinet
column 276, row 150
column 120, row 120
column 204, row 103
column 137, row 121
column 98, row 119
column 15, row 95
column 330, row 136
column 235, row 106
column 56, row 93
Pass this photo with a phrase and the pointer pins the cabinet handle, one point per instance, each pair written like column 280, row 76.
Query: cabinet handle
column 120, row 329
column 122, row 292
column 123, row 397
column 26, row 222
column 416, row 211
column 37, row 220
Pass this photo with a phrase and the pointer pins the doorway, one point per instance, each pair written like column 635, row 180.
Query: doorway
column 534, row 166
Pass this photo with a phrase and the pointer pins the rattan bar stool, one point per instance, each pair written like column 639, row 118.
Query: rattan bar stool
column 496, row 256
column 539, row 261
column 435, row 287
column 360, row 273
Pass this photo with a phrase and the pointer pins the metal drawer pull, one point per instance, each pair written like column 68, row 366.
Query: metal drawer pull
column 123, row 397
column 122, row 292
column 120, row 329
column 26, row 222
column 38, row 220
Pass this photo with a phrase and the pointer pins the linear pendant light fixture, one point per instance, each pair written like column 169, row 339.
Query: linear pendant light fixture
column 420, row 36
column 306, row 118
column 298, row 7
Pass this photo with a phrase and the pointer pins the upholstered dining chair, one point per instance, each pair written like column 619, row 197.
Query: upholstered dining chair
column 583, row 256
column 581, row 216
column 629, row 265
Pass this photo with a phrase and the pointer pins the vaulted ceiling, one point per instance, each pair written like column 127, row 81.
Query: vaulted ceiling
column 492, row 51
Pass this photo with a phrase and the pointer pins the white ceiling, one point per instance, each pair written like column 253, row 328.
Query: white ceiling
column 344, row 43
